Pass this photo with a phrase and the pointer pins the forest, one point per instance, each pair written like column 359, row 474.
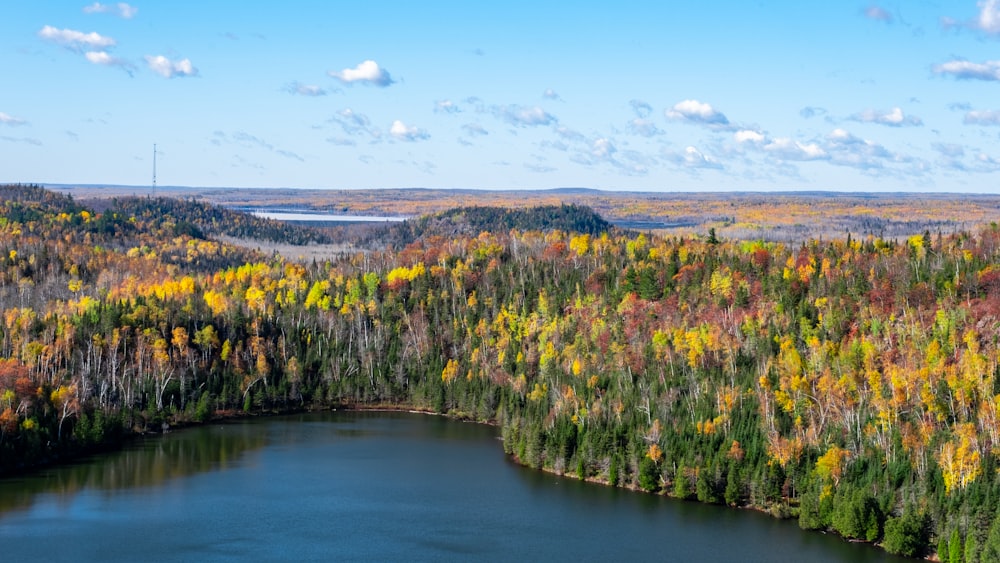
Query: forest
column 850, row 383
column 789, row 217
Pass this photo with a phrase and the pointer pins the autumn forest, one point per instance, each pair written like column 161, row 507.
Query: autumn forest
column 849, row 382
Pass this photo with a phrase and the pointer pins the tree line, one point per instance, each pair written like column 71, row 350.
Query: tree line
column 851, row 384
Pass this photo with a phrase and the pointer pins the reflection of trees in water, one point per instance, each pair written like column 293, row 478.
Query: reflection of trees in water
column 150, row 462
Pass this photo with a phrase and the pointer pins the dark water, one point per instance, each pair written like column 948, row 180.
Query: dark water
column 365, row 486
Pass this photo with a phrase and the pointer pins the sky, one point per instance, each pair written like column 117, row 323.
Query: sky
column 726, row 95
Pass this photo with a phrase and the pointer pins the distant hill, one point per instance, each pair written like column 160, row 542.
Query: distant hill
column 474, row 220
column 199, row 219
column 23, row 203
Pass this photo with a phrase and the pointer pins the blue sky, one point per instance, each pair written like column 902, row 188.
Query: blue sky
column 662, row 96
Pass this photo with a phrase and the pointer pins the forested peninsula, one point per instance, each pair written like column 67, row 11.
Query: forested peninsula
column 851, row 384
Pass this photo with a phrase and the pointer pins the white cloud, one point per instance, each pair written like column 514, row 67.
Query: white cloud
column 341, row 141
column 557, row 145
column 967, row 70
column 643, row 127
column 692, row 158
column 811, row 111
column 987, row 163
column 103, row 58
column 250, row 140
column 550, row 94
column 169, row 69
column 953, row 157
column 949, row 149
column 120, row 9
column 6, row 119
column 289, row 154
column 539, row 168
column 25, row 140
column 75, row 40
column 603, row 148
column 368, row 72
column 301, row 89
column 986, row 117
column 354, row 123
column 842, row 136
column 877, row 13
column 641, row 108
column 697, row 112
column 846, row 149
column 989, row 17
column 100, row 57
column 569, row 134
column 787, row 149
column 247, row 140
column 402, row 132
column 839, row 148
column 474, row 130
column 893, row 118
column 445, row 106
column 749, row 136
column 524, row 116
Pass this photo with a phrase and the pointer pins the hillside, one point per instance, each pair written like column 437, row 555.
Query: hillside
column 470, row 221
column 852, row 384
column 200, row 219
column 789, row 217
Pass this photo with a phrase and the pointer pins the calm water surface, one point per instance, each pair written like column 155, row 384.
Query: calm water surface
column 305, row 217
column 365, row 486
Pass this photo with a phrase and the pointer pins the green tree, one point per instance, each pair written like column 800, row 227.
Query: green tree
column 712, row 238
column 856, row 515
column 908, row 534
column 682, row 484
column 649, row 475
column 991, row 548
column 734, row 489
column 971, row 548
column 955, row 552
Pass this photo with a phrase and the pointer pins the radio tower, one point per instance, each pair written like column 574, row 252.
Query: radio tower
column 154, row 169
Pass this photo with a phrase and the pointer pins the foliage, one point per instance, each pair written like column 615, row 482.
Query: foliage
column 471, row 221
column 843, row 379
column 908, row 534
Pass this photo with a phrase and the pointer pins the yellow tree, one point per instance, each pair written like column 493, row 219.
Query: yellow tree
column 959, row 458
column 163, row 371
column 65, row 400
column 180, row 340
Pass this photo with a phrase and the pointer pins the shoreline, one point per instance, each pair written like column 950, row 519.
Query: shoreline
column 235, row 416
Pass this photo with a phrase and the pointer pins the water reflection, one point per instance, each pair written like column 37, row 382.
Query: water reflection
column 367, row 486
column 150, row 462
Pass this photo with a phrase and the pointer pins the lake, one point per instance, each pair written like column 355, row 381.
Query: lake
column 366, row 486
column 293, row 216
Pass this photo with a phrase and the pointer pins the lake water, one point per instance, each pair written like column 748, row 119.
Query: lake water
column 366, row 486
column 305, row 217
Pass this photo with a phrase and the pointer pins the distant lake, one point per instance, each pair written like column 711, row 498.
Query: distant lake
column 305, row 217
column 366, row 486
